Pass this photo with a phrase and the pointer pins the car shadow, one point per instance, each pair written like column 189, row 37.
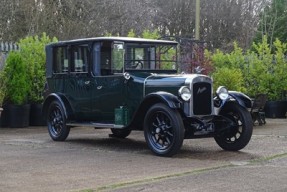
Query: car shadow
column 130, row 145
column 111, row 144
column 216, row 154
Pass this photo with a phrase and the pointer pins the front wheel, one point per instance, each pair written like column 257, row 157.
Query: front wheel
column 163, row 130
column 56, row 121
column 239, row 132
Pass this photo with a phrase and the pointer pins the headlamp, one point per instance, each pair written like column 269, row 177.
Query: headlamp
column 222, row 93
column 184, row 93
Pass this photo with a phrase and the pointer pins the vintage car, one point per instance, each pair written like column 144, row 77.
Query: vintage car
column 130, row 84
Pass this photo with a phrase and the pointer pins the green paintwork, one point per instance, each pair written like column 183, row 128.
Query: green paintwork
column 96, row 98
column 168, row 83
column 143, row 83
column 107, row 94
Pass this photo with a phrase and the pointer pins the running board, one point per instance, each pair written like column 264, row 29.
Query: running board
column 96, row 125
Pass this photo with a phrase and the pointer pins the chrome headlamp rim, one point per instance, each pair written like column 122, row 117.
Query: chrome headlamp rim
column 222, row 92
column 184, row 93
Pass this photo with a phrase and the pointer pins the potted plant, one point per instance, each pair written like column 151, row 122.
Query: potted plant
column 2, row 90
column 271, row 76
column 33, row 54
column 17, row 90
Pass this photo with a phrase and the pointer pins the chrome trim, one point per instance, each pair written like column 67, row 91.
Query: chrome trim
column 144, row 83
column 96, row 125
column 190, row 80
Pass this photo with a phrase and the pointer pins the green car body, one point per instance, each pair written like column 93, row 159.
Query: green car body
column 132, row 84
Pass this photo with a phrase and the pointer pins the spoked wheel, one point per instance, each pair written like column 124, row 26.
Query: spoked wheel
column 163, row 130
column 238, row 135
column 56, row 121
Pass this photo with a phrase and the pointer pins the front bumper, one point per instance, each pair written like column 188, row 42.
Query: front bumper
column 206, row 126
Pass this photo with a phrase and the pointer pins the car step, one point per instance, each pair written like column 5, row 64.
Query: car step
column 96, row 125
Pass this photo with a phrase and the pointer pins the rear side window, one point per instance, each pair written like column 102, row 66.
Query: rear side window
column 61, row 62
column 80, row 59
column 73, row 58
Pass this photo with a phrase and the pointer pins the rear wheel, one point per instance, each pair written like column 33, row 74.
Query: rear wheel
column 238, row 135
column 56, row 121
column 163, row 130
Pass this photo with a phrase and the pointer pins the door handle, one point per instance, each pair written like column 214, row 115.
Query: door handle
column 87, row 82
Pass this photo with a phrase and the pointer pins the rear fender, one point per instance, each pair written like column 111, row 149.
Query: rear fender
column 62, row 100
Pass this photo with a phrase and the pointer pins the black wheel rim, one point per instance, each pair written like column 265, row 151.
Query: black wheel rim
column 233, row 134
column 56, row 122
column 160, row 130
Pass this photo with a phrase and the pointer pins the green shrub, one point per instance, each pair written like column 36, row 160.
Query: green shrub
column 263, row 68
column 232, row 79
column 32, row 50
column 3, row 87
column 268, row 70
column 235, row 59
column 16, row 79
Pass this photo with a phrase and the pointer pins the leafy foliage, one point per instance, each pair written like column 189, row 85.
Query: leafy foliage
column 131, row 33
column 263, row 69
column 199, row 57
column 16, row 79
column 32, row 50
column 273, row 22
column 230, row 78
column 3, row 86
column 150, row 34
column 235, row 59
column 147, row 34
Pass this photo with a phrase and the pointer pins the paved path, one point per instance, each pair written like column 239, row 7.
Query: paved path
column 91, row 161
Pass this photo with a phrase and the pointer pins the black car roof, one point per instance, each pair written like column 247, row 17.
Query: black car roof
column 123, row 39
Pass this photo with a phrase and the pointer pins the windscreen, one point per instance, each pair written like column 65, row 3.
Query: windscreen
column 150, row 57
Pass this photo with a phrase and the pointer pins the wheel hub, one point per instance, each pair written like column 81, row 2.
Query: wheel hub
column 56, row 120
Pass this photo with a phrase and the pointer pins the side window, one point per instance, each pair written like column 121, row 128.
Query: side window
column 106, row 68
column 118, row 57
column 111, row 58
column 61, row 61
column 140, row 57
column 97, row 59
column 80, row 59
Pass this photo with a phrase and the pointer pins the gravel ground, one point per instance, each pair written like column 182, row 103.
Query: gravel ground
column 91, row 161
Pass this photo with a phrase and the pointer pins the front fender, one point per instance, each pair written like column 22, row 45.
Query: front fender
column 241, row 99
column 171, row 100
column 157, row 97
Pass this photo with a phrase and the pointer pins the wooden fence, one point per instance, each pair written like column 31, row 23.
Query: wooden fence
column 5, row 48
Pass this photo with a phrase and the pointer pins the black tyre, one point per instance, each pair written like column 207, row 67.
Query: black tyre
column 240, row 132
column 163, row 130
column 56, row 122
column 120, row 133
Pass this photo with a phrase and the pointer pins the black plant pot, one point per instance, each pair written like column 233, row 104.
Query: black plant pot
column 275, row 109
column 19, row 115
column 1, row 109
column 4, row 122
column 36, row 117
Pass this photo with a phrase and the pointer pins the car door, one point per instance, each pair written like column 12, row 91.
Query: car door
column 78, row 88
column 109, row 82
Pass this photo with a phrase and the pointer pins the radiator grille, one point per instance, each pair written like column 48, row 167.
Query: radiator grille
column 202, row 104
